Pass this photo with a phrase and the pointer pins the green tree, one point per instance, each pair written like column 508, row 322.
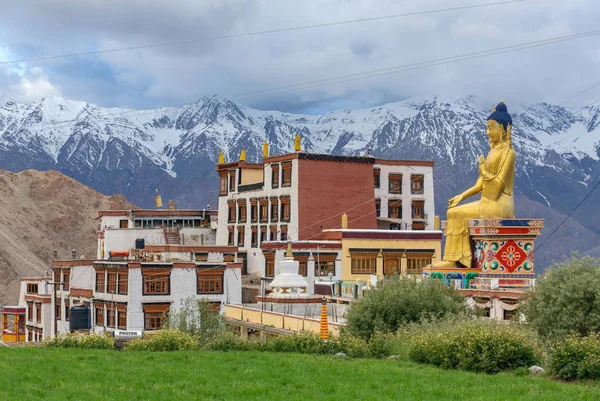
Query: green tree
column 399, row 301
column 566, row 299
column 196, row 317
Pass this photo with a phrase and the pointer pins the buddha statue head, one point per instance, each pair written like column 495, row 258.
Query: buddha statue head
column 499, row 125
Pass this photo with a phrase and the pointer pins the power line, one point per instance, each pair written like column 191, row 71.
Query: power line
column 378, row 72
column 271, row 31
column 581, row 93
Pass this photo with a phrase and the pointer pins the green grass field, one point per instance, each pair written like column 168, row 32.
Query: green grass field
column 75, row 374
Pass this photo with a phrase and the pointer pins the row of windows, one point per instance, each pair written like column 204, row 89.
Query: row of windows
column 111, row 315
column 281, row 175
column 258, row 235
column 62, row 278
column 158, row 282
column 323, row 265
column 367, row 264
column 395, row 182
column 37, row 316
column 395, row 209
column 259, row 210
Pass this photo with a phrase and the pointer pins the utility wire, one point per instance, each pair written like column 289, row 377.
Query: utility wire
column 581, row 93
column 271, row 31
column 375, row 73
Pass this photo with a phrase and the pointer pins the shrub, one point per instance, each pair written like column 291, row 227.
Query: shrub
column 164, row 340
column 196, row 317
column 475, row 345
column 400, row 301
column 91, row 341
column 566, row 299
column 576, row 357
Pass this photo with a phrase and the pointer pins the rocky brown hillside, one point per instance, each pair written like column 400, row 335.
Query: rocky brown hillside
column 40, row 212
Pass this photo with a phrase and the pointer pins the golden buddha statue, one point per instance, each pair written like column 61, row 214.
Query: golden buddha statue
column 495, row 183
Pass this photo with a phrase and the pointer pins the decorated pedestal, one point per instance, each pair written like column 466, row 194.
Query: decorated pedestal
column 503, row 252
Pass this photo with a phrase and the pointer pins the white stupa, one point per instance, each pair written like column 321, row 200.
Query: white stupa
column 288, row 283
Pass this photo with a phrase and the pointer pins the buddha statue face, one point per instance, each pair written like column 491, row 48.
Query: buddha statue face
column 495, row 132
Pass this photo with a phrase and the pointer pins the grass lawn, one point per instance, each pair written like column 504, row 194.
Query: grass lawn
column 74, row 374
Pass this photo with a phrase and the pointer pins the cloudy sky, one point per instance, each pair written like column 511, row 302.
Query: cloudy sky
column 238, row 67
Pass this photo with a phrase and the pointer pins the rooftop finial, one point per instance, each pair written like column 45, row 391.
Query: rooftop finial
column 243, row 155
column 158, row 200
column 221, row 157
column 289, row 254
column 265, row 149
column 297, row 143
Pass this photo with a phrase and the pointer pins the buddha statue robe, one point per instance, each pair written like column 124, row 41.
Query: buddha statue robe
column 496, row 187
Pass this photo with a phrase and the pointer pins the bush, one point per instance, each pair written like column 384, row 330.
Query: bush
column 475, row 345
column 576, row 357
column 198, row 318
column 164, row 340
column 91, row 341
column 400, row 301
column 566, row 299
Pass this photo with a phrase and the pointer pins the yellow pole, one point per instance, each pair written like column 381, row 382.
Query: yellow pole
column 324, row 329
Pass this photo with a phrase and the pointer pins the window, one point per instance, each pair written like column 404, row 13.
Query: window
column 99, row 314
column 30, row 311
column 210, row 281
column 363, row 263
column 110, row 316
column 394, row 209
column 285, row 209
column 378, row 207
column 242, row 211
column 269, row 264
column 111, row 286
column 230, row 236
column 416, row 183
column 253, row 211
column 274, row 175
column 254, row 236
column 417, row 261
column 263, row 234
column 417, row 209
column 395, row 183
column 58, row 309
column 376, row 174
column 223, row 184
column 241, row 236
column 122, row 317
column 273, row 233
column 123, row 282
column 32, row 288
column 154, row 315
column 264, row 210
column 418, row 225
column 284, row 233
column 38, row 312
column 323, row 268
column 232, row 181
column 57, row 278
column 156, row 281
column 274, row 206
column 302, row 264
column 67, row 310
column 66, row 279
column 231, row 211
column 100, row 281
column 286, row 174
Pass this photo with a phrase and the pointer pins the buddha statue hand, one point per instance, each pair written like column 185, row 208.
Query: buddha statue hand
column 455, row 201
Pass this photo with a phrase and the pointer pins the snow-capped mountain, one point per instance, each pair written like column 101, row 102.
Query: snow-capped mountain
column 175, row 149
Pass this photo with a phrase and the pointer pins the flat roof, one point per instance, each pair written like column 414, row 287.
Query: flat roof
column 158, row 213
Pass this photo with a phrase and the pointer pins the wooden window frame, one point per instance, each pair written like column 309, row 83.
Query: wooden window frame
column 254, row 236
column 378, row 207
column 123, row 280
column 283, row 233
column 253, row 211
column 111, row 318
column 302, row 264
column 263, row 234
column 286, row 210
column 156, row 282
column 99, row 312
column 101, row 284
column 363, row 263
column 286, row 174
column 275, row 175
column 223, row 188
column 121, row 317
column 111, row 281
column 417, row 182
column 269, row 264
column 210, row 281
column 377, row 177
column 392, row 187
column 230, row 235
column 415, row 262
column 231, row 174
column 241, row 239
column 32, row 288
column 274, row 210
column 273, row 232
column 67, row 310
column 241, row 205
column 58, row 309
column 324, row 264
column 155, row 315
column 418, row 225
column 30, row 311
column 38, row 312
column 395, row 205
column 264, row 210
column 57, row 278
column 231, row 211
column 416, row 206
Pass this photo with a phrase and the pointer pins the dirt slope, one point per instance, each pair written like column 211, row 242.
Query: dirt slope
column 40, row 212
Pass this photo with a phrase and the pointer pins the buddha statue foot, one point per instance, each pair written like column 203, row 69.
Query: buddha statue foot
column 447, row 264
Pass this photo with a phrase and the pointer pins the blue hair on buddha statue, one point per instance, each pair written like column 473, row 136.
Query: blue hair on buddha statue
column 501, row 116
